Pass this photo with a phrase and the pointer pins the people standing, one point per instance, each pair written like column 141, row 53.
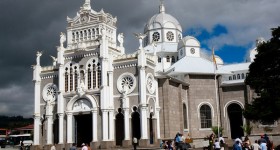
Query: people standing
column 236, row 145
column 74, row 147
column 135, row 141
column 217, row 145
column 84, row 147
column 88, row 146
column 256, row 146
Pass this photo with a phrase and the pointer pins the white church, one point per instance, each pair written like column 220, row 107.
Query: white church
column 98, row 94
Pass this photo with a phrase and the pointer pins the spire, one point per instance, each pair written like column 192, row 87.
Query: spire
column 86, row 5
column 161, row 7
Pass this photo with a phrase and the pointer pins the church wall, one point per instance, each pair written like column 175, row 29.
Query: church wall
column 170, row 101
column 201, row 91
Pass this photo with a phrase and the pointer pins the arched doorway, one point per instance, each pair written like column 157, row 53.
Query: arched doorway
column 83, row 128
column 151, row 129
column 236, row 120
column 119, row 126
column 135, row 122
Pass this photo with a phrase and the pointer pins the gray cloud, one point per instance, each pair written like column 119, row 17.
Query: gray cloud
column 31, row 25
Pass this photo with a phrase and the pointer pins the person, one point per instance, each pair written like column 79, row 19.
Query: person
column 135, row 141
column 247, row 140
column 211, row 141
column 84, row 147
column 88, row 146
column 239, row 142
column 236, row 145
column 256, row 146
column 21, row 145
column 74, row 147
column 53, row 147
column 217, row 145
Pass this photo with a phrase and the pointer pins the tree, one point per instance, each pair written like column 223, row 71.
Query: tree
column 264, row 78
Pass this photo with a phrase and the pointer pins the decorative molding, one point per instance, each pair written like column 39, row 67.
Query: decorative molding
column 125, row 66
column 81, row 56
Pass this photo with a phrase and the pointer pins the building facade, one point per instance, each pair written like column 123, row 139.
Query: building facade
column 96, row 93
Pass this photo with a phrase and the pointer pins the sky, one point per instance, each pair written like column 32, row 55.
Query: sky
column 27, row 26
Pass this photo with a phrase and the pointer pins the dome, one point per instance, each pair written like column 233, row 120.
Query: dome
column 188, row 41
column 162, row 20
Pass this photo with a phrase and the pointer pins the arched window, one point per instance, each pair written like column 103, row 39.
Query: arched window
column 205, row 116
column 71, row 78
column 234, row 77
column 159, row 59
column 89, row 76
column 99, row 75
column 242, row 76
column 73, row 37
column 229, row 78
column 185, row 115
column 238, row 76
column 66, row 79
column 76, row 79
column 167, row 58
column 173, row 59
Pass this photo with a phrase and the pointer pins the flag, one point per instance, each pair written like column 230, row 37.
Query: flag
column 214, row 59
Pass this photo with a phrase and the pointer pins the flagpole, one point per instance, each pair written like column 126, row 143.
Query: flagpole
column 216, row 92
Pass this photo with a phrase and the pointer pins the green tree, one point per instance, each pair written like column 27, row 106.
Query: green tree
column 264, row 78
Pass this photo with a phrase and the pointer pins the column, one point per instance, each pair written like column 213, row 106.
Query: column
column 111, row 125
column 49, row 129
column 60, row 117
column 69, row 127
column 94, row 125
column 158, row 122
column 105, row 124
column 126, row 124
column 143, row 118
column 36, row 130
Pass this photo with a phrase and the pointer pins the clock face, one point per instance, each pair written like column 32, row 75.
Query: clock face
column 84, row 19
column 192, row 50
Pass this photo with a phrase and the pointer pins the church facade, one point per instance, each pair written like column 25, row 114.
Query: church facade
column 95, row 93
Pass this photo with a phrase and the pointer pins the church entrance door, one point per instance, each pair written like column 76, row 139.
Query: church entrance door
column 83, row 129
column 119, row 128
column 236, row 122
column 151, row 129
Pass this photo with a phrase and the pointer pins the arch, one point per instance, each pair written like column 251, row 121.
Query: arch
column 235, row 120
column 119, row 125
column 231, row 102
column 185, row 115
column 205, row 103
column 205, row 116
column 135, row 123
column 91, row 99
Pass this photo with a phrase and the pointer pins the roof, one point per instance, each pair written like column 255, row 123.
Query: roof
column 28, row 127
column 194, row 65
column 236, row 67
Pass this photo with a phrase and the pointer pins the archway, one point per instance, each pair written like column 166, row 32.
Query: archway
column 235, row 119
column 151, row 129
column 135, row 122
column 119, row 126
column 83, row 128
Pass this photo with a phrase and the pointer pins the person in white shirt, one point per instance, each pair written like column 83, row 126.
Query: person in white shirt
column 84, row 147
column 217, row 145
column 256, row 146
column 53, row 148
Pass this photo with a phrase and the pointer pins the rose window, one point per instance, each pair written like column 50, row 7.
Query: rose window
column 170, row 36
column 126, row 83
column 50, row 92
column 156, row 36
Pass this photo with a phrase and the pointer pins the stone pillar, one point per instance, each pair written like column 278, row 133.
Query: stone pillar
column 111, row 125
column 126, row 124
column 157, row 122
column 105, row 124
column 69, row 127
column 143, row 118
column 61, row 128
column 49, row 129
column 36, row 130
column 94, row 125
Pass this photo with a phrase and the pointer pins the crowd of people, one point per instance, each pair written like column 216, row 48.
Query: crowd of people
column 179, row 143
column 264, row 143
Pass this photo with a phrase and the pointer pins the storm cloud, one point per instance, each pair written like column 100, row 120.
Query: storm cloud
column 28, row 26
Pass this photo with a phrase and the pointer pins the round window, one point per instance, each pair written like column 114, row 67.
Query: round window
column 156, row 36
column 170, row 36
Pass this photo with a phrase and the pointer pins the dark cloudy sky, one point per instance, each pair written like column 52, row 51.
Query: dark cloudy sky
column 26, row 26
